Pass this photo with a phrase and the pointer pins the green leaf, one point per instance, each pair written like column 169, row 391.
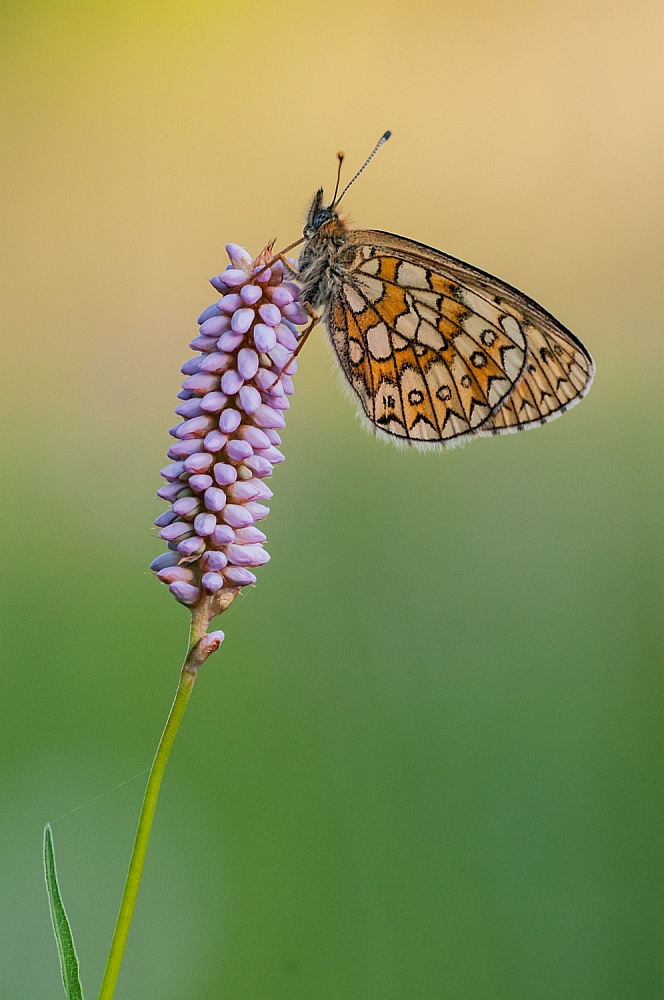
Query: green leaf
column 61, row 928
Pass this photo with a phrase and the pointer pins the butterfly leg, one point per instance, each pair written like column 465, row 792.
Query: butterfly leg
column 302, row 340
column 291, row 267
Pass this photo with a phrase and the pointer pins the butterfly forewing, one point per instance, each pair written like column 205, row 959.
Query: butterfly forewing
column 438, row 350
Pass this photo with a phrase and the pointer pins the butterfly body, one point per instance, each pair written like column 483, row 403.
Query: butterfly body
column 436, row 350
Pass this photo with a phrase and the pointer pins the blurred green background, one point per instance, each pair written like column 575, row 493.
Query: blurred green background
column 427, row 761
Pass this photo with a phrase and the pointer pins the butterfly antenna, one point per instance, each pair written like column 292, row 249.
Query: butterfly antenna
column 383, row 139
column 340, row 157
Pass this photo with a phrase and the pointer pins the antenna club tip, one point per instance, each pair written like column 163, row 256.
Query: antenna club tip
column 386, row 136
column 340, row 154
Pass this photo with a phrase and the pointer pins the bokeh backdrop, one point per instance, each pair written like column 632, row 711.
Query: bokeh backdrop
column 427, row 761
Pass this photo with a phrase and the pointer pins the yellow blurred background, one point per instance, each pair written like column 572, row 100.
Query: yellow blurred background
column 426, row 761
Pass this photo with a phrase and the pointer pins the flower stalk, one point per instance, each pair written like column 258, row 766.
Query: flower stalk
column 201, row 645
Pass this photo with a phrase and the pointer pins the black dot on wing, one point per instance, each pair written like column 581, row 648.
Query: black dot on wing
column 415, row 397
column 478, row 359
column 531, row 368
column 465, row 381
column 444, row 392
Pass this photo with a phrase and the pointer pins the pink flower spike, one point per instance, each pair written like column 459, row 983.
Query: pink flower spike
column 237, row 576
column 204, row 524
column 230, row 341
column 164, row 519
column 257, row 510
column 197, row 427
column 264, row 337
column 280, row 295
column 265, row 416
column 185, row 506
column 255, row 437
column 295, row 314
column 203, row 343
column 225, row 474
column 280, row 356
column 234, row 278
column 174, row 530
column 182, row 449
column 251, row 294
column 237, row 516
column 198, row 463
column 173, row 573
column 258, row 465
column 229, row 421
column 215, row 326
column 201, row 383
column 240, row 491
column 173, row 471
column 270, row 314
column 229, row 304
column 215, row 500
column 212, row 562
column 212, row 582
column 225, row 445
column 266, row 379
column 200, row 483
column 208, row 313
column 263, row 492
column 189, row 408
column 214, row 402
column 247, row 362
column 247, row 555
column 170, row 492
column 214, row 441
column 239, row 257
column 194, row 546
column 217, row 362
column 286, row 337
column 210, row 643
column 249, row 535
column 238, row 450
column 222, row 535
column 250, row 399
column 242, row 320
column 231, row 382
column 185, row 593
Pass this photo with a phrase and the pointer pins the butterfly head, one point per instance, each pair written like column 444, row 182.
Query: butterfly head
column 321, row 216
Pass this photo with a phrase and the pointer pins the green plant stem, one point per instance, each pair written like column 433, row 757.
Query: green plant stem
column 199, row 624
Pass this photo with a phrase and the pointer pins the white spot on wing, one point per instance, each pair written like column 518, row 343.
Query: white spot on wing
column 413, row 275
column 355, row 350
column 379, row 342
column 426, row 313
column 355, row 300
column 428, row 335
column 406, row 324
column 372, row 287
column 513, row 330
column 372, row 266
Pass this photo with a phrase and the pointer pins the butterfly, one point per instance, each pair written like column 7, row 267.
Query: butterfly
column 436, row 350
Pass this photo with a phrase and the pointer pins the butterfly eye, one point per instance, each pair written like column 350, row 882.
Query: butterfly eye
column 320, row 217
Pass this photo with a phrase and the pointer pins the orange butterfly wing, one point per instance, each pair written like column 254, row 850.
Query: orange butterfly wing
column 439, row 351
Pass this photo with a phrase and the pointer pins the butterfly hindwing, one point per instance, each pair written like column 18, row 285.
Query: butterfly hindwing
column 438, row 350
